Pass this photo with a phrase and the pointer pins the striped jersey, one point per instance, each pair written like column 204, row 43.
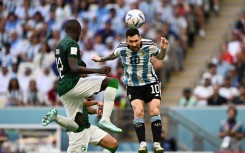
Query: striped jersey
column 138, row 69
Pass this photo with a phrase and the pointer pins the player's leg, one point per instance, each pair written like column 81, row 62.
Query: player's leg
column 89, row 86
column 103, row 139
column 138, row 108
column 110, row 86
column 136, row 97
column 78, row 142
column 156, row 124
column 73, row 107
column 64, row 122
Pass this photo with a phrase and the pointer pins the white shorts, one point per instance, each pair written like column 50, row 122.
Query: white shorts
column 85, row 87
column 78, row 142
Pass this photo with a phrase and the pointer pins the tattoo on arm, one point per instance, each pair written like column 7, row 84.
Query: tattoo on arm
column 109, row 57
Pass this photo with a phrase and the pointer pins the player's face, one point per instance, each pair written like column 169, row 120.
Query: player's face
column 79, row 30
column 134, row 42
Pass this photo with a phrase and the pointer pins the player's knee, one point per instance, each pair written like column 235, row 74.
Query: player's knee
column 139, row 112
column 154, row 111
column 113, row 83
column 114, row 144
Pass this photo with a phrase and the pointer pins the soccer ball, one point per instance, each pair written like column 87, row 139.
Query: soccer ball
column 135, row 18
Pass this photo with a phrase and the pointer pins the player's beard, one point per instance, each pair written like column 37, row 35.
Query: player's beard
column 135, row 48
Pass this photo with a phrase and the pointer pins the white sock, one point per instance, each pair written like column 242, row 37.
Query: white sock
column 106, row 151
column 67, row 123
column 109, row 97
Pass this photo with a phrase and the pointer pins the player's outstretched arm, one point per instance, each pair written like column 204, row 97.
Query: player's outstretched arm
column 164, row 46
column 111, row 56
column 75, row 68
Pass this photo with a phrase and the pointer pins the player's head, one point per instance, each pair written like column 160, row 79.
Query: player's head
column 73, row 29
column 133, row 39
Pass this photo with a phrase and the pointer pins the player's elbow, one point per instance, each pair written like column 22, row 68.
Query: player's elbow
column 74, row 69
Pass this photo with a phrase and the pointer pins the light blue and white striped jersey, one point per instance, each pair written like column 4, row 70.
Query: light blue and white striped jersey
column 138, row 69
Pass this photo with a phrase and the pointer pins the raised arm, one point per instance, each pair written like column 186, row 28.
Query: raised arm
column 75, row 68
column 111, row 56
column 164, row 46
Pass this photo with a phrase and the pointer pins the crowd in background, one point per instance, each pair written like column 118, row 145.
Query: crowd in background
column 224, row 81
column 30, row 30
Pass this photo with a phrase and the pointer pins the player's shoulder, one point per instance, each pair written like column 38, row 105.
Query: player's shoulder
column 122, row 45
column 68, row 42
column 147, row 42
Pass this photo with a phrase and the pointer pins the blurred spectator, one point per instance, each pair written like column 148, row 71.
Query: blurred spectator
column 55, row 38
column 15, row 94
column 147, row 7
column 169, row 144
column 45, row 81
column 116, row 21
column 234, row 78
column 32, row 96
column 35, row 24
column 216, row 99
column 203, row 91
column 212, row 72
column 4, row 36
column 240, row 23
column 25, row 74
column 240, row 66
column 31, row 49
column 25, row 11
column 62, row 12
column 12, row 24
column 234, row 44
column 5, row 78
column 240, row 100
column 231, row 132
column 227, row 91
column 3, row 12
column 187, row 100
column 107, row 31
column 6, row 57
column 3, row 137
column 44, row 57
column 222, row 67
column 225, row 54
column 52, row 96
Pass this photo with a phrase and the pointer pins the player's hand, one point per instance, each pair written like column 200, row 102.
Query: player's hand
column 100, row 109
column 164, row 43
column 96, row 58
column 104, row 70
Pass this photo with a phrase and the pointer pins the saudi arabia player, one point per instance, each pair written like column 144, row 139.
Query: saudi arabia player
column 72, row 88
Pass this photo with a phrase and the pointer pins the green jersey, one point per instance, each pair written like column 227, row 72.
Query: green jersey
column 86, row 117
column 66, row 48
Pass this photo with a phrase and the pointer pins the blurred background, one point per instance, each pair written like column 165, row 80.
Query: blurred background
column 202, row 75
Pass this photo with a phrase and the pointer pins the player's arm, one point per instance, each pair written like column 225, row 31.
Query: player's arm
column 97, row 58
column 92, row 110
column 75, row 68
column 164, row 46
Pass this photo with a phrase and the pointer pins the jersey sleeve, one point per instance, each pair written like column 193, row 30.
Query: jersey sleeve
column 154, row 49
column 73, row 50
column 117, row 52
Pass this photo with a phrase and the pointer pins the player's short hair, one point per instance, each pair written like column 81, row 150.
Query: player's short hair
column 131, row 32
column 70, row 25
